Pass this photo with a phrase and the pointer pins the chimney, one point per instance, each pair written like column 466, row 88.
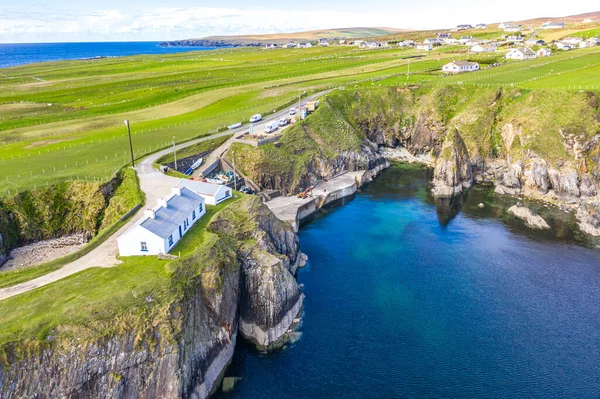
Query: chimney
column 150, row 213
column 162, row 202
column 176, row 190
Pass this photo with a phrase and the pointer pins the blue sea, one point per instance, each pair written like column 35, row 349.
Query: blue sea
column 27, row 53
column 408, row 297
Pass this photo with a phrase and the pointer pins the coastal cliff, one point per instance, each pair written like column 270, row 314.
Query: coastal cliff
column 240, row 279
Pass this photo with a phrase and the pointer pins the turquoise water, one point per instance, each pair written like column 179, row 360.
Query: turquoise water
column 406, row 298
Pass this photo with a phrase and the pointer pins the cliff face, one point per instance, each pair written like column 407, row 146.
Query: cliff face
column 453, row 171
column 241, row 279
column 270, row 298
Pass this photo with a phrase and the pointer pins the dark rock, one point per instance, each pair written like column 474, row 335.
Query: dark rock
column 453, row 173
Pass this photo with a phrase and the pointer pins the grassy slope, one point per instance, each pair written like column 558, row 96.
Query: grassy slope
column 99, row 302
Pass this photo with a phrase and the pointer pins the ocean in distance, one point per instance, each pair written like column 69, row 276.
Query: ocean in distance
column 28, row 53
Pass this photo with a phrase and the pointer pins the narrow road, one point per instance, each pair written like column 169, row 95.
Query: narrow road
column 155, row 185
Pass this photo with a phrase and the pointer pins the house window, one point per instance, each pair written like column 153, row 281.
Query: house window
column 227, row 194
column 193, row 215
column 144, row 246
column 171, row 240
column 200, row 208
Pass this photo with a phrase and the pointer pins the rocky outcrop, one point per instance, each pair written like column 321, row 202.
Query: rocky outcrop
column 270, row 297
column 453, row 173
column 530, row 218
column 509, row 181
column 240, row 280
column 589, row 218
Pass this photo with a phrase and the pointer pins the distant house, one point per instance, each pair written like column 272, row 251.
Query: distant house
column 472, row 42
column 593, row 41
column 520, row 54
column 460, row 66
column 373, row 44
column 484, row 48
column 464, row 27
column 407, row 43
column 162, row 227
column 424, row 46
column 553, row 25
column 443, row 36
column 213, row 194
column 434, row 42
column 573, row 41
column 543, row 52
column 564, row 46
column 514, row 38
column 323, row 44
column 304, row 45
column 272, row 45
column 511, row 27
column 534, row 42
column 342, row 41
column 481, row 26
column 450, row 41
column 363, row 44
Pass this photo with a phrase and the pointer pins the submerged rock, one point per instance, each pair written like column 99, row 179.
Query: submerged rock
column 530, row 218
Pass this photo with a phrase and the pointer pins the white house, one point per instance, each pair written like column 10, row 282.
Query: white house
column 573, row 41
column 304, row 45
column 213, row 194
column 434, row 41
column 465, row 39
column 481, row 26
column 553, row 25
column 323, row 44
column 460, row 66
column 450, row 41
column 162, row 227
column 464, row 27
column 520, row 54
column 483, row 48
column 564, row 46
column 593, row 41
column 514, row 38
column 424, row 46
column 510, row 27
column 472, row 42
column 534, row 42
column 408, row 43
column 443, row 36
column 543, row 52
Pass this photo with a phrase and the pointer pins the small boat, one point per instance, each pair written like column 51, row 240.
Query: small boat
column 197, row 164
column 214, row 181
column 224, row 178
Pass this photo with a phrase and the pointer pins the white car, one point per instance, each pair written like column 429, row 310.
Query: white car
column 271, row 127
column 283, row 122
column 292, row 111
column 255, row 118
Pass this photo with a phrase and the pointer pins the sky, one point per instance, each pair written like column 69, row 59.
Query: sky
column 152, row 20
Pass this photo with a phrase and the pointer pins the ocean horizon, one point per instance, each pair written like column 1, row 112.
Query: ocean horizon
column 15, row 54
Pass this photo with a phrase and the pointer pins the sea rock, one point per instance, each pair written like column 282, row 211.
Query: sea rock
column 587, row 186
column 588, row 215
column 452, row 173
column 565, row 182
column 536, row 175
column 530, row 218
column 509, row 181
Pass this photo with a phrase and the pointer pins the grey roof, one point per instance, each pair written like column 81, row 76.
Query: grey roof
column 463, row 63
column 200, row 187
column 179, row 207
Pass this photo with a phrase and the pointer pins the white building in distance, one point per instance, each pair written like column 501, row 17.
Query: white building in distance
column 460, row 66
column 521, row 53
column 162, row 227
column 543, row 52
column 213, row 194
column 484, row 48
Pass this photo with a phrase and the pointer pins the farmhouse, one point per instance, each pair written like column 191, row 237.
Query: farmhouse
column 460, row 66
column 424, row 46
column 464, row 27
column 472, row 42
column 482, row 48
column 534, row 42
column 511, row 27
column 443, row 36
column 434, row 42
column 481, row 26
column 514, row 38
column 593, row 41
column 543, row 52
column 304, row 45
column 465, row 39
column 553, row 25
column 573, row 41
column 563, row 46
column 163, row 226
column 407, row 43
column 213, row 194
column 520, row 54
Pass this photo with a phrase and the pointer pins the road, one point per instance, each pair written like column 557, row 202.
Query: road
column 155, row 185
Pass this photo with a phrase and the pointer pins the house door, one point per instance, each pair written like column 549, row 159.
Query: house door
column 180, row 235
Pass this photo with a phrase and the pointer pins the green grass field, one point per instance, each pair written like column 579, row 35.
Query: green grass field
column 64, row 120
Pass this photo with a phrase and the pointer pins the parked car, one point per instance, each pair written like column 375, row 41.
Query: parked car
column 284, row 122
column 292, row 111
column 271, row 127
column 246, row 190
column 255, row 118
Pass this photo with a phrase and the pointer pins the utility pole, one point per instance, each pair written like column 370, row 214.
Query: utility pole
column 174, row 153
column 130, row 143
column 234, row 173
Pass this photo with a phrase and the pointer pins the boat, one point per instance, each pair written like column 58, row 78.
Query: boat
column 197, row 164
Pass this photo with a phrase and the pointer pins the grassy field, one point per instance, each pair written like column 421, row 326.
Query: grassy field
column 64, row 120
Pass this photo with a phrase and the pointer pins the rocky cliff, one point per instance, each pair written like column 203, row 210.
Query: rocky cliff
column 240, row 279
